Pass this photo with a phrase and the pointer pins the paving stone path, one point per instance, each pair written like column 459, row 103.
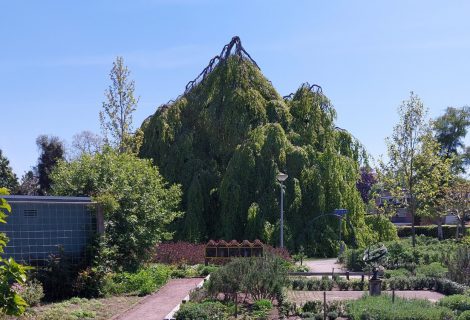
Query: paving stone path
column 159, row 304
column 300, row 297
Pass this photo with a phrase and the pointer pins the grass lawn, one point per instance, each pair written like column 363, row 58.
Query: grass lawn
column 80, row 308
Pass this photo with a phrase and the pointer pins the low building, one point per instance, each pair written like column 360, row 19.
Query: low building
column 39, row 226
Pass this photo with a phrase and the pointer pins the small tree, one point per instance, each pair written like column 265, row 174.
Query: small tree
column 433, row 175
column 86, row 142
column 457, row 201
column 137, row 203
column 116, row 116
column 403, row 146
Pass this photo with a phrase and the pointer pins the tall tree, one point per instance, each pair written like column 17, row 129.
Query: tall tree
column 29, row 184
column 365, row 183
column 116, row 116
column 51, row 151
column 86, row 142
column 450, row 130
column 403, row 147
column 8, row 178
column 433, row 176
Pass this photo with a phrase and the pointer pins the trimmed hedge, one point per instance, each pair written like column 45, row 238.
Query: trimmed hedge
column 448, row 231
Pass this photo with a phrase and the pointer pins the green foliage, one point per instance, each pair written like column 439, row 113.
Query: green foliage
column 263, row 305
column 433, row 270
column 11, row 303
column 385, row 229
column 32, row 292
column 448, row 231
column 226, row 139
column 143, row 282
column 450, row 129
column 456, row 302
column 137, row 203
column 260, row 277
column 382, row 308
column 464, row 315
column 116, row 116
column 8, row 178
column 209, row 310
column 52, row 150
column 459, row 265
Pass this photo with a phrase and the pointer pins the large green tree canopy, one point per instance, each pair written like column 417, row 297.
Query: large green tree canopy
column 227, row 137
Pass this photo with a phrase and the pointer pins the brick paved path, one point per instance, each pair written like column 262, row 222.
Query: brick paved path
column 300, row 297
column 159, row 304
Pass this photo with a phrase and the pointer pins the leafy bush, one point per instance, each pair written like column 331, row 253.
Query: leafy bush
column 204, row 271
column 57, row 277
column 464, row 315
column 449, row 287
column 433, row 270
column 382, row 308
column 343, row 285
column 260, row 277
column 357, row 285
column 180, row 253
column 456, row 302
column 145, row 281
column 386, row 230
column 299, row 284
column 401, row 272
column 314, row 306
column 327, row 285
column 209, row 310
column 313, row 284
column 31, row 291
column 459, row 265
column 89, row 283
column 263, row 304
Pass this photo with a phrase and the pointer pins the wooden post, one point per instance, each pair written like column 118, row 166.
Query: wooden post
column 347, row 275
column 393, row 296
column 324, row 305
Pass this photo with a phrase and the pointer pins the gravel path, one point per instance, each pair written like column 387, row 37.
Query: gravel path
column 323, row 265
column 159, row 304
column 300, row 297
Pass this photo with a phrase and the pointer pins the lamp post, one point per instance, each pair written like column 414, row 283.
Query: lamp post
column 281, row 177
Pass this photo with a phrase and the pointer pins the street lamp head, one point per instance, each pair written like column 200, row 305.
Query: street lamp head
column 281, row 177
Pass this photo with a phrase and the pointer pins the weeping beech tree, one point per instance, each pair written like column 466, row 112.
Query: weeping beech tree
column 226, row 138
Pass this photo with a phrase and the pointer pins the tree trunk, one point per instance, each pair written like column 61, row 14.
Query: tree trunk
column 457, row 230
column 440, row 234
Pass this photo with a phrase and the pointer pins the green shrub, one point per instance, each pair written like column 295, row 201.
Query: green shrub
column 32, row 292
column 449, row 287
column 314, row 284
column 314, row 306
column 263, row 304
column 83, row 314
column 299, row 284
column 145, row 281
column 464, row 315
column 332, row 315
column 343, row 285
column 401, row 272
column 459, row 265
column 433, row 270
column 382, row 308
column 206, row 270
column 456, row 302
column 208, row 310
column 260, row 277
column 357, row 285
column 327, row 285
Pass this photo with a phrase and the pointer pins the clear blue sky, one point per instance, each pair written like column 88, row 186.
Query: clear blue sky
column 55, row 58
